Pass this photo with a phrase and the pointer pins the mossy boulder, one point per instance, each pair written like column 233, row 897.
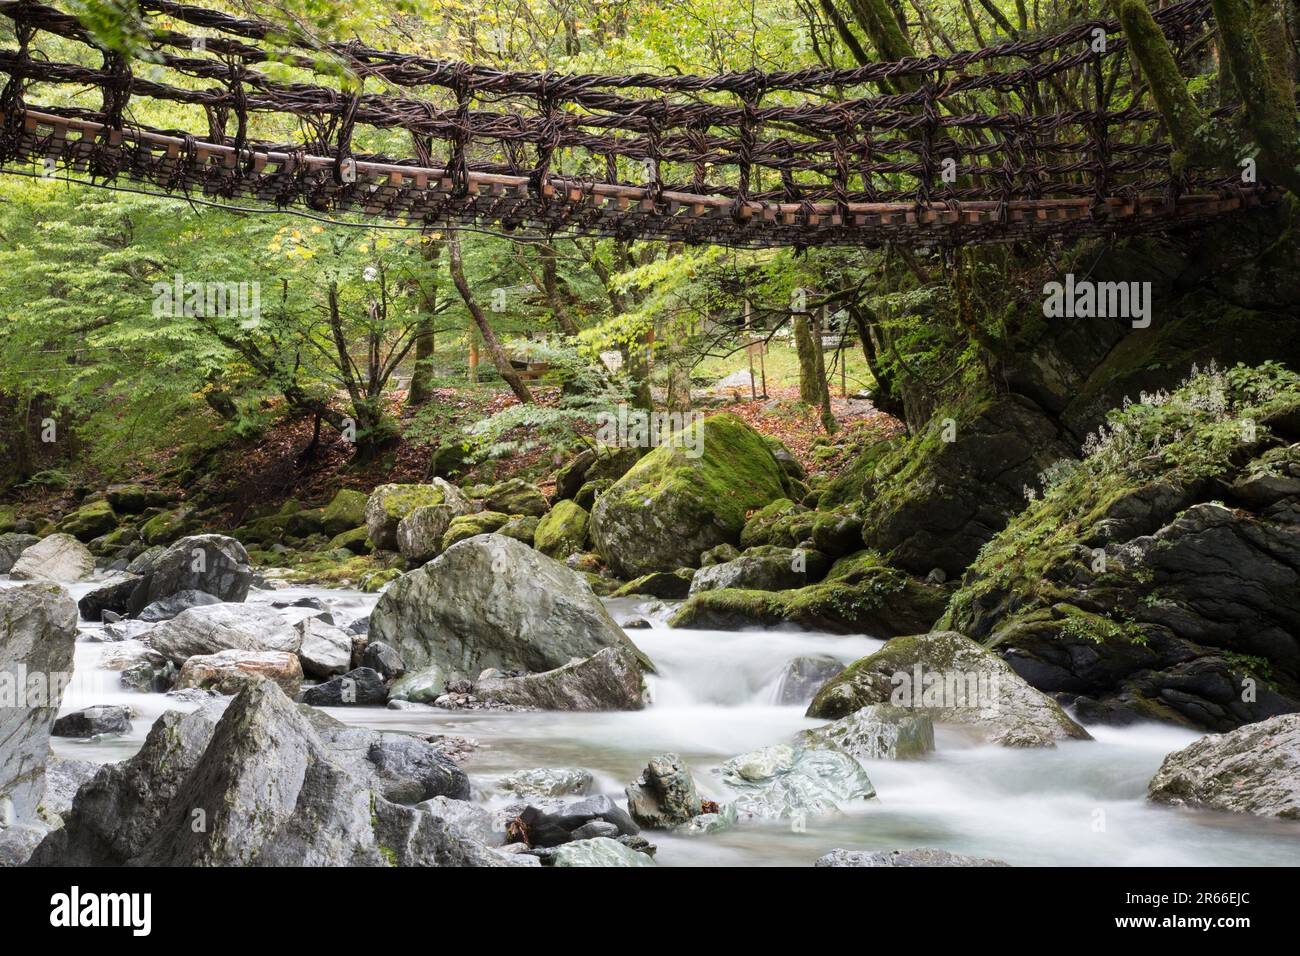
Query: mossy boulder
column 767, row 568
column 513, row 496
column 670, row 506
column 8, row 518
column 951, row 679
column 521, row 528
column 346, row 510
column 861, row 595
column 471, row 525
column 669, row 585
column 129, row 498
column 356, row 541
column 563, row 531
column 606, row 463
column 90, row 521
column 420, row 533
column 783, row 523
column 389, row 504
column 590, row 491
column 168, row 526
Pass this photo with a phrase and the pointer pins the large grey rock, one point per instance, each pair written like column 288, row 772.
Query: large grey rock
column 113, row 595
column 608, row 680
column 548, row 782
column 1253, row 769
column 491, row 601
column 804, row 676
column 782, row 782
column 229, row 672
column 357, row 688
column 12, row 545
column 38, row 627
column 93, row 721
column 419, row 534
column 224, row 627
column 325, row 650
column 924, row 856
column 953, row 680
column 212, row 563
column 664, row 796
column 260, row 786
column 58, row 557
column 601, row 851
column 389, row 504
column 471, row 820
column 756, row 572
column 164, row 609
column 876, row 732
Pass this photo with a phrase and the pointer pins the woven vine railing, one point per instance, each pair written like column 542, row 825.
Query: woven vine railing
column 1047, row 137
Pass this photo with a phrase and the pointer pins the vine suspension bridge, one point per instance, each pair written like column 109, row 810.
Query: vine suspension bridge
column 1051, row 137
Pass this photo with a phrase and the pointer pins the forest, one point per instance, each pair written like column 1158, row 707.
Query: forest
column 612, row 433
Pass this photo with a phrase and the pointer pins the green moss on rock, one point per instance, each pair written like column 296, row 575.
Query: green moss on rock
column 563, row 530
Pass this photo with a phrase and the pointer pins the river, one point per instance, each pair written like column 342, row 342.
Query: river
column 1081, row 803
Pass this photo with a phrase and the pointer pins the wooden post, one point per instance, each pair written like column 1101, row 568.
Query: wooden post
column 753, row 393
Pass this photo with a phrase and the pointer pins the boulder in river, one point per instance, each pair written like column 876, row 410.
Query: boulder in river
column 610, row 679
column 93, row 721
column 804, row 676
column 360, row 687
column 924, row 856
column 38, row 628
column 491, row 601
column 164, row 609
column 224, row 627
column 672, row 505
column 953, row 680
column 664, row 796
column 213, row 563
column 389, row 504
column 420, row 533
column 268, row 789
column 601, row 851
column 12, row 545
column 325, row 650
column 782, row 782
column 113, row 595
column 548, row 782
column 229, row 672
column 1253, row 769
column 876, row 732
column 378, row 656
column 57, row 557
column 778, row 570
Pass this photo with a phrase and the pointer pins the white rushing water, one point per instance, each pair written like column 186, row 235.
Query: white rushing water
column 1082, row 803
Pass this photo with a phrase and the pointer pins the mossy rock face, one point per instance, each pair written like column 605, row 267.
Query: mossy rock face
column 305, row 523
column 265, row 530
column 720, row 554
column 668, row 585
column 127, row 499
column 8, row 518
column 346, row 510
column 846, row 487
column 838, row 533
column 468, row 526
column 782, row 523
column 1127, row 585
column 951, row 679
column 357, row 541
column 607, row 463
column 521, row 528
column 374, row 583
column 865, row 598
column 168, row 526
column 935, row 500
column 670, row 507
column 513, row 497
column 563, row 531
column 90, row 521
column 590, row 491
column 389, row 504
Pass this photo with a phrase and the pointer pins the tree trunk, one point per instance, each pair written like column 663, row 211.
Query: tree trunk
column 422, row 374
column 809, row 392
column 497, row 353
column 828, row 416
